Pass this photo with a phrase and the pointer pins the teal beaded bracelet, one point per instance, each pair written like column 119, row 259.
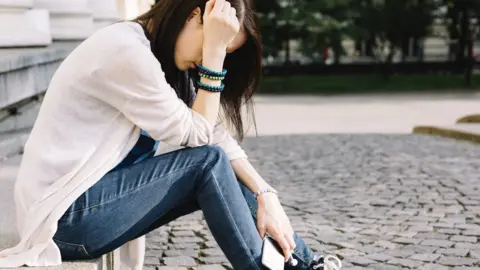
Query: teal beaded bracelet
column 210, row 88
column 207, row 71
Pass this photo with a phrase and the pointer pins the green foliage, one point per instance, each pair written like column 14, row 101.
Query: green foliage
column 328, row 23
column 391, row 22
column 280, row 22
column 336, row 85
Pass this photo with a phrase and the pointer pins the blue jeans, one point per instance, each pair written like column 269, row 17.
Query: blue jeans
column 130, row 202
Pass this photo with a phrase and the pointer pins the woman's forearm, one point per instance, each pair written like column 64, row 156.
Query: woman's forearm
column 247, row 174
column 208, row 103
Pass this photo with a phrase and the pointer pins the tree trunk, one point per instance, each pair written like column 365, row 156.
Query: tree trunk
column 462, row 44
column 470, row 61
column 287, row 52
column 405, row 49
column 454, row 34
column 388, row 71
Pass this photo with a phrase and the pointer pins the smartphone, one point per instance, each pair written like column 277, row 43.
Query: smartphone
column 272, row 255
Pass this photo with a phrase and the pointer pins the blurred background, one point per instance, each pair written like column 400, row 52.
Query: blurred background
column 329, row 66
column 344, row 84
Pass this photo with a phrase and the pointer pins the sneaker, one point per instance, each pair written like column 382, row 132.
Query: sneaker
column 328, row 262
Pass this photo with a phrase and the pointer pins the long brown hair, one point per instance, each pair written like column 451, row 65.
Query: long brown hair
column 163, row 24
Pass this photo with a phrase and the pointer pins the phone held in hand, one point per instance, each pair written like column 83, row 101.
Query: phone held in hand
column 272, row 257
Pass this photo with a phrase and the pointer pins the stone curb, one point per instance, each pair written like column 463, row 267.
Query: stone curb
column 448, row 132
column 474, row 118
column 12, row 145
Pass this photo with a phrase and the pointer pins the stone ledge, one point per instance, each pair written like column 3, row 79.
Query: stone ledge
column 97, row 264
column 26, row 72
column 13, row 4
column 19, row 58
column 474, row 118
column 466, row 132
column 12, row 144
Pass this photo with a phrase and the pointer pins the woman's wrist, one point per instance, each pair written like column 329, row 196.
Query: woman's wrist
column 265, row 192
column 213, row 58
column 266, row 197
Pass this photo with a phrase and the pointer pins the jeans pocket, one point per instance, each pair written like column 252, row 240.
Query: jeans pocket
column 71, row 251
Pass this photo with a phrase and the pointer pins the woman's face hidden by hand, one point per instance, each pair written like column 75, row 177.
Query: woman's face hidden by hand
column 189, row 44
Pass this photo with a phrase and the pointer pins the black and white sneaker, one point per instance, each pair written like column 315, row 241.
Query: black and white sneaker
column 328, row 262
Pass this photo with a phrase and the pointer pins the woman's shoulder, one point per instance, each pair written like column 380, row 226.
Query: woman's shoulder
column 119, row 36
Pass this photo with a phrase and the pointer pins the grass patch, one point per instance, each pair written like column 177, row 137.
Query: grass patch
column 331, row 85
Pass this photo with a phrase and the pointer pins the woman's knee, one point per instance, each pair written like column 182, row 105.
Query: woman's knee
column 214, row 155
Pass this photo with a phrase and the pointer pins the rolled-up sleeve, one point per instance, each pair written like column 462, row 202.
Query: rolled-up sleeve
column 223, row 139
column 134, row 82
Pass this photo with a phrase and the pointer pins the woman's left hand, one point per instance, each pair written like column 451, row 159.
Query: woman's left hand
column 271, row 218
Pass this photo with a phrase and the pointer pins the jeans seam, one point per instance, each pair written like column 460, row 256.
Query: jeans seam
column 78, row 245
column 230, row 215
column 129, row 192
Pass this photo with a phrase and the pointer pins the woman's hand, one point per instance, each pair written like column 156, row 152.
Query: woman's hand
column 271, row 218
column 220, row 25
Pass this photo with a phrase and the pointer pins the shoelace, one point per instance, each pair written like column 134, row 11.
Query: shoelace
column 332, row 265
column 329, row 263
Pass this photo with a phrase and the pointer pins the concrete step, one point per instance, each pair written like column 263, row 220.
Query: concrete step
column 464, row 131
column 14, row 129
column 26, row 72
column 12, row 144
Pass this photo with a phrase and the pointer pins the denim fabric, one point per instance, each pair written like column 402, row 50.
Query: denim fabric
column 130, row 202
column 145, row 148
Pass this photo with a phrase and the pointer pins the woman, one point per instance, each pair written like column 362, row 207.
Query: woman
column 89, row 182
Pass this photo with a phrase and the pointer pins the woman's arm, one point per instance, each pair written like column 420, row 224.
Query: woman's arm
column 271, row 217
column 247, row 174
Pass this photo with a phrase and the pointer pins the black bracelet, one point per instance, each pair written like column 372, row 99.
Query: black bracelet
column 210, row 88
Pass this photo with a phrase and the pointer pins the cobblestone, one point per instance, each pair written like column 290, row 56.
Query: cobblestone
column 453, row 251
column 179, row 261
column 431, row 266
column 457, row 261
column 459, row 238
column 378, row 201
column 425, row 257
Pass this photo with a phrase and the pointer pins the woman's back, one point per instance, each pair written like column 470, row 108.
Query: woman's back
column 72, row 122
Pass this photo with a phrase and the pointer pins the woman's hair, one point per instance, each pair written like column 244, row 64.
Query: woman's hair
column 165, row 21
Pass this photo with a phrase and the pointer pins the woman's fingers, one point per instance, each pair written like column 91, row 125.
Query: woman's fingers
column 290, row 240
column 218, row 7
column 209, row 6
column 261, row 225
column 279, row 236
column 226, row 8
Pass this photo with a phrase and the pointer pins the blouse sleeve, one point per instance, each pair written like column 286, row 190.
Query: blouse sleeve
column 224, row 140
column 134, row 82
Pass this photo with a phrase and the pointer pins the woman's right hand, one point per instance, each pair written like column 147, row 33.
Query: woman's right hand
column 220, row 26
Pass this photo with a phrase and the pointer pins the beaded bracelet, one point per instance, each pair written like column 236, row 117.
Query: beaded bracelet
column 209, row 72
column 265, row 190
column 210, row 88
column 210, row 77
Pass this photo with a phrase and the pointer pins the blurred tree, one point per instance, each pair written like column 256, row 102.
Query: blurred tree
column 327, row 24
column 267, row 11
column 281, row 22
column 463, row 33
column 390, row 23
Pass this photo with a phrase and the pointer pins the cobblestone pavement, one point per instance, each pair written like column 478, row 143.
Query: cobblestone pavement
column 376, row 201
